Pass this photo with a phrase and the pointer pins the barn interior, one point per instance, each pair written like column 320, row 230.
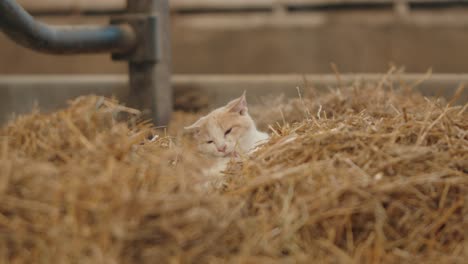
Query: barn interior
column 364, row 102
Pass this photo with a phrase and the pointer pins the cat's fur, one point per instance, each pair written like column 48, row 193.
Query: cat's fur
column 226, row 133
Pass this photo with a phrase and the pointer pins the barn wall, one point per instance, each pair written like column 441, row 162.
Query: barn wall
column 366, row 41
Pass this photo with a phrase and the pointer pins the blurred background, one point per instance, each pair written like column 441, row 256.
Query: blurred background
column 243, row 38
column 272, row 36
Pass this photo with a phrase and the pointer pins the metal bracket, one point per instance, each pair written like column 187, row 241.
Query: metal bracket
column 146, row 29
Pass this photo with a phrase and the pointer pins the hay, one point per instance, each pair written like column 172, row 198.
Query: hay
column 358, row 175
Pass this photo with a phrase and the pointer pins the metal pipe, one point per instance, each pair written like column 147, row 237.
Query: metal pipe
column 150, row 79
column 23, row 29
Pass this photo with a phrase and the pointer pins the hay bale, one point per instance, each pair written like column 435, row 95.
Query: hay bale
column 361, row 174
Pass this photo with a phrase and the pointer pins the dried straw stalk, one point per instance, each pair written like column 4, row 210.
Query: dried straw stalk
column 362, row 175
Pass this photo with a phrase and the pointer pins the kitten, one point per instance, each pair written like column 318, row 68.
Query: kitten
column 227, row 132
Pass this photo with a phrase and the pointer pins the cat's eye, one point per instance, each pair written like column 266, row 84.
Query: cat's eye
column 209, row 142
column 227, row 131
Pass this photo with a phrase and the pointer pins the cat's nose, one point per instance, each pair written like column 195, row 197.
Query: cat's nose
column 222, row 149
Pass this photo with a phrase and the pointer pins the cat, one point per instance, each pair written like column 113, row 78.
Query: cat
column 227, row 132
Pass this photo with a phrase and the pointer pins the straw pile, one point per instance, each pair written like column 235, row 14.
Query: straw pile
column 358, row 175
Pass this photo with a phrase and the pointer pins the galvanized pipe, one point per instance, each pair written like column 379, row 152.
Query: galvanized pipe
column 26, row 31
column 150, row 79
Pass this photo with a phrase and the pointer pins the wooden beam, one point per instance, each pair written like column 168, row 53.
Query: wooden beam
column 341, row 2
column 333, row 2
column 221, row 4
column 50, row 6
column 220, row 88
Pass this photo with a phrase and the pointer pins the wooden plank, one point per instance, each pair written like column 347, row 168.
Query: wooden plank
column 57, row 6
column 341, row 2
column 333, row 2
column 36, row 6
column 220, row 88
column 314, row 20
column 117, row 5
column 223, row 4
column 19, row 93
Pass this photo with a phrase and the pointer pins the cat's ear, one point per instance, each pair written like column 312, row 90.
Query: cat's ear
column 238, row 105
column 195, row 127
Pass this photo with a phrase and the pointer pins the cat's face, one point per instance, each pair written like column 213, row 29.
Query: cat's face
column 219, row 132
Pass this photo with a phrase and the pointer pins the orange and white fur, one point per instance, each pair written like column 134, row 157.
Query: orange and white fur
column 227, row 132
